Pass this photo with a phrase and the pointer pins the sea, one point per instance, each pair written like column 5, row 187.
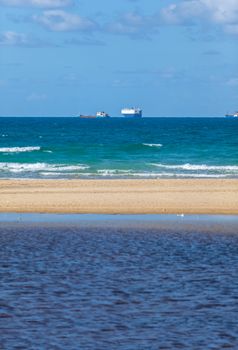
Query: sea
column 118, row 282
column 125, row 284
column 74, row 148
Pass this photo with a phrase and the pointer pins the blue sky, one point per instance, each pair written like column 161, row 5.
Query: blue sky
column 69, row 57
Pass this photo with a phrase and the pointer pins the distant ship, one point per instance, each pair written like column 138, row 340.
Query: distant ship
column 98, row 115
column 235, row 115
column 102, row 115
column 131, row 112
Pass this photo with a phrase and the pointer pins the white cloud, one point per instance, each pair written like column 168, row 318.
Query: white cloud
column 186, row 11
column 223, row 12
column 36, row 3
column 10, row 38
column 61, row 21
column 133, row 24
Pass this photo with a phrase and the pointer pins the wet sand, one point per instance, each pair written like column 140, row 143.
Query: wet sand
column 181, row 196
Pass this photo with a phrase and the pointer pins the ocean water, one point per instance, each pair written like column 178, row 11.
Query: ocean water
column 116, row 148
column 115, row 287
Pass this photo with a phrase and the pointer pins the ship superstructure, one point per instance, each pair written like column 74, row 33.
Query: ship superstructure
column 102, row 115
column 97, row 115
column 131, row 112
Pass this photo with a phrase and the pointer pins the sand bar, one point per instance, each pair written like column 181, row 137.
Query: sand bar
column 188, row 196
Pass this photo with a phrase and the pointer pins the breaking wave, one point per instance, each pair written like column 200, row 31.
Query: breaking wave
column 153, row 144
column 149, row 174
column 113, row 172
column 18, row 149
column 202, row 167
column 41, row 170
column 39, row 167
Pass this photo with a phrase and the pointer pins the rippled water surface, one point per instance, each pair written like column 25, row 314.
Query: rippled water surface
column 118, row 148
column 130, row 288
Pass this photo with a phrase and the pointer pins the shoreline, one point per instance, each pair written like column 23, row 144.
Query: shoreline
column 166, row 223
column 160, row 196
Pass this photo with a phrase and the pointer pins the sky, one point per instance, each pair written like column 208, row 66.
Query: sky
column 71, row 57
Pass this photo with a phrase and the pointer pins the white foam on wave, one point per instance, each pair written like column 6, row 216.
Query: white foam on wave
column 45, row 173
column 19, row 149
column 202, row 167
column 66, row 174
column 71, row 167
column 149, row 174
column 38, row 167
column 152, row 144
column 174, row 175
column 78, row 170
column 111, row 172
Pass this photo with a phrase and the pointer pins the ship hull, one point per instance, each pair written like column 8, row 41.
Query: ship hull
column 93, row 117
column 132, row 116
column 87, row 116
column 230, row 116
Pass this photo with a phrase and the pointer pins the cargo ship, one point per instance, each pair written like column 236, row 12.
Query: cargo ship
column 98, row 115
column 235, row 115
column 131, row 112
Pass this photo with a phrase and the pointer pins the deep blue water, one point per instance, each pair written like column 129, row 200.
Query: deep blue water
column 112, row 287
column 116, row 147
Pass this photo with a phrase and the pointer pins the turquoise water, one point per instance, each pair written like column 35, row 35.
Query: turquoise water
column 116, row 147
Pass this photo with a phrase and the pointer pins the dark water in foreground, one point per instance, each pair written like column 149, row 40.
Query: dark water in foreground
column 115, row 287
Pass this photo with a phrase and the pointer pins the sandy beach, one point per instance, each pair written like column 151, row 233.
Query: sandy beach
column 190, row 196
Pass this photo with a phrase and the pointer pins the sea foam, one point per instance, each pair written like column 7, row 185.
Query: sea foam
column 202, row 167
column 38, row 167
column 153, row 144
column 19, row 149
column 113, row 172
column 72, row 171
column 153, row 174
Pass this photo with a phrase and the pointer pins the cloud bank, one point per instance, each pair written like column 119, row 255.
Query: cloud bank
column 62, row 21
column 11, row 38
column 36, row 3
column 219, row 12
column 133, row 24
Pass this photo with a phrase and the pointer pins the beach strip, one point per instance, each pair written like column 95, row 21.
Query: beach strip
column 160, row 196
